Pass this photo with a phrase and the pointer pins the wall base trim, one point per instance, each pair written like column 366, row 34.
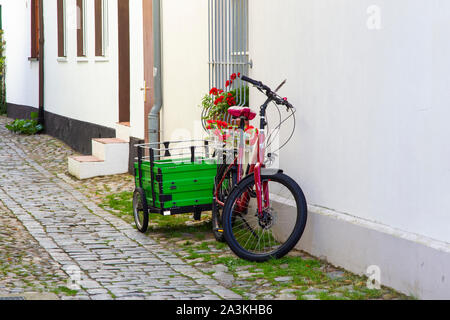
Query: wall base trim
column 16, row 111
column 410, row 263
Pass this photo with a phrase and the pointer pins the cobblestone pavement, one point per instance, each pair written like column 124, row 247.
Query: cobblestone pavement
column 107, row 254
column 25, row 266
column 52, row 224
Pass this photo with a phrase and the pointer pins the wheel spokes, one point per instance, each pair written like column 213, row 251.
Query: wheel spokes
column 266, row 234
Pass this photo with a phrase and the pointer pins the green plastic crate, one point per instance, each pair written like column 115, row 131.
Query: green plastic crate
column 177, row 184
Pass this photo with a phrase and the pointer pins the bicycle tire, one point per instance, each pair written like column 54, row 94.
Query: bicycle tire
column 140, row 206
column 298, row 229
column 217, row 210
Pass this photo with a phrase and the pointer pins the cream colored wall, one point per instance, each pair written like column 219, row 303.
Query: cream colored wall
column 86, row 89
column 137, row 117
column 22, row 76
column 185, row 68
column 372, row 124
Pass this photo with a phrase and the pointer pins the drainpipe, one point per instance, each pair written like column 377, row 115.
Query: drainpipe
column 41, row 119
column 153, row 117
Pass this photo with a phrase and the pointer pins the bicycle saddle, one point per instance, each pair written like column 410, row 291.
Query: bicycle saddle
column 238, row 112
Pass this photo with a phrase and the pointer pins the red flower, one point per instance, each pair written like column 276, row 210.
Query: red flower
column 233, row 76
column 219, row 100
column 228, row 83
column 231, row 102
column 214, row 91
column 239, row 74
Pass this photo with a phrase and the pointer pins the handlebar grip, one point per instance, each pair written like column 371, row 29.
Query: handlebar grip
column 254, row 82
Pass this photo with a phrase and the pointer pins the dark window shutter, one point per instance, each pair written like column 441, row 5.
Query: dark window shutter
column 98, row 28
column 61, row 31
column 34, row 28
column 80, row 29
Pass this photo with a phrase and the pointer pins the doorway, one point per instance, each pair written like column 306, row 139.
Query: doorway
column 147, row 9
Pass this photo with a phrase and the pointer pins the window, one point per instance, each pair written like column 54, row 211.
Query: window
column 101, row 28
column 34, row 28
column 228, row 44
column 61, row 17
column 81, row 28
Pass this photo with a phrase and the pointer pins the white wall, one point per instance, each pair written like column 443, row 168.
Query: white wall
column 22, row 76
column 86, row 89
column 137, row 116
column 185, row 68
column 372, row 126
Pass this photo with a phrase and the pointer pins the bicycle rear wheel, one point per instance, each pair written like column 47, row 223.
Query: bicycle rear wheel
column 280, row 228
column 223, row 190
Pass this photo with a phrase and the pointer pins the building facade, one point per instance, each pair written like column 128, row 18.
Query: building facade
column 93, row 68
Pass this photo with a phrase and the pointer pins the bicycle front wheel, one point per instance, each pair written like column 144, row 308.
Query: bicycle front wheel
column 273, row 234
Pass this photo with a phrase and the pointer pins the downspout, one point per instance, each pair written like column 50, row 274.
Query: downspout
column 41, row 113
column 153, row 117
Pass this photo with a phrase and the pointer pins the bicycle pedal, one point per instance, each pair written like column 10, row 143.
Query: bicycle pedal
column 218, row 230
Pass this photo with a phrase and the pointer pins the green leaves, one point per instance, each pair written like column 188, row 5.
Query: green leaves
column 28, row 127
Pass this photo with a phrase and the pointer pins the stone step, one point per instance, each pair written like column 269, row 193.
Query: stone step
column 83, row 159
column 109, row 148
column 110, row 156
column 123, row 131
column 85, row 167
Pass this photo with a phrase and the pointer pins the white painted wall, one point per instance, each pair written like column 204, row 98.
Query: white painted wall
column 22, row 76
column 81, row 88
column 137, row 116
column 370, row 148
column 372, row 127
column 86, row 89
column 185, row 68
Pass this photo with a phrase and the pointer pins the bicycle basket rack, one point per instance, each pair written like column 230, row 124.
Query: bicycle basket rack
column 177, row 177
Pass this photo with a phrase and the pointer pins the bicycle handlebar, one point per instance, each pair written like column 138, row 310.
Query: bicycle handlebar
column 269, row 92
column 254, row 82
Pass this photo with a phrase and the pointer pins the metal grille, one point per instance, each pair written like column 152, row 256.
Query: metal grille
column 228, row 45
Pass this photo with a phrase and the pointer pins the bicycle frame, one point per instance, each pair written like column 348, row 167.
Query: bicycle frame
column 256, row 165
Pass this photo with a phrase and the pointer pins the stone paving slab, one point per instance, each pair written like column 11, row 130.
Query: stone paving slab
column 106, row 255
column 25, row 267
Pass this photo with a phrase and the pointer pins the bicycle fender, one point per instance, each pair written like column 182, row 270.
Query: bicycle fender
column 270, row 172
